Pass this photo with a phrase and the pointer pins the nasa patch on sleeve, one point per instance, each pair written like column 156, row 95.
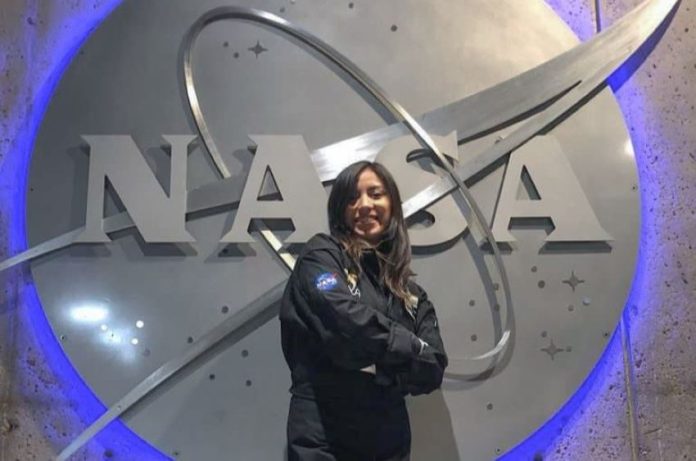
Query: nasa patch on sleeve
column 326, row 281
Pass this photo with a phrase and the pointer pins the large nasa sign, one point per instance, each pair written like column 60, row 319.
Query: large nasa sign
column 163, row 215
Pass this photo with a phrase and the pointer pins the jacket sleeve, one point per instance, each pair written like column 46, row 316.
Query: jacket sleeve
column 342, row 321
column 425, row 371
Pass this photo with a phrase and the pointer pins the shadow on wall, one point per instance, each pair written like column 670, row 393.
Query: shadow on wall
column 431, row 429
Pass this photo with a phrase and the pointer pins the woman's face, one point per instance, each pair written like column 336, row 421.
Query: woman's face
column 369, row 213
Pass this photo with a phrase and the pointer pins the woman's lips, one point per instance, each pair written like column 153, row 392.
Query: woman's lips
column 365, row 221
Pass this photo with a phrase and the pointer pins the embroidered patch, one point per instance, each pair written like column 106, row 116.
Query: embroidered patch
column 326, row 281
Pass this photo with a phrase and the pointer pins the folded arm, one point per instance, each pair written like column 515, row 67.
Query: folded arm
column 424, row 373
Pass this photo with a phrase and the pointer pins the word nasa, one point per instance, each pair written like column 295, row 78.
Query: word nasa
column 553, row 192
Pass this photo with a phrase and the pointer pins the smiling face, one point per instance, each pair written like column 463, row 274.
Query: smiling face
column 370, row 210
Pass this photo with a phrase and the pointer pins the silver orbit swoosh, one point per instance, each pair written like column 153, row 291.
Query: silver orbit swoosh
column 380, row 96
column 597, row 58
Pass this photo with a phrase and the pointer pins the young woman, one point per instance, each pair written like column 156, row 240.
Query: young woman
column 357, row 333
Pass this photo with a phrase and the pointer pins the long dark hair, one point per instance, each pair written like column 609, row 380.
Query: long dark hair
column 394, row 248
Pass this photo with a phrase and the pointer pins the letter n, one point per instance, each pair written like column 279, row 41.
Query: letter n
column 158, row 217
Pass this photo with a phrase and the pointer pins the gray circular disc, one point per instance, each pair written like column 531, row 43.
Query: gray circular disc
column 127, row 307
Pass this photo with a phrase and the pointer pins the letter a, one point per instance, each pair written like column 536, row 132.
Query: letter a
column 303, row 197
column 560, row 196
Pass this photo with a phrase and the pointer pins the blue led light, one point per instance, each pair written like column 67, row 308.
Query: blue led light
column 117, row 436
column 632, row 104
column 70, row 389
column 538, row 442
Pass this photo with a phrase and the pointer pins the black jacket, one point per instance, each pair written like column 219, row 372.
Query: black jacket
column 331, row 327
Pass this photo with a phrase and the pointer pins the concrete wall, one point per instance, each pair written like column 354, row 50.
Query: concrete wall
column 37, row 416
column 658, row 103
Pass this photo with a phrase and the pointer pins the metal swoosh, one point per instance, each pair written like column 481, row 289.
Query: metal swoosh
column 515, row 99
column 631, row 32
column 470, row 116
column 640, row 24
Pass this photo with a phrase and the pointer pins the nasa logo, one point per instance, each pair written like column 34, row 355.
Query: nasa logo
column 326, row 281
column 177, row 223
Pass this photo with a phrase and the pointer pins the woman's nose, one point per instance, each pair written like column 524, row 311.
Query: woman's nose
column 364, row 202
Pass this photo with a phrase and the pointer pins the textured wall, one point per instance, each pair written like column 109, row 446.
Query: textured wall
column 663, row 317
column 658, row 103
column 37, row 416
